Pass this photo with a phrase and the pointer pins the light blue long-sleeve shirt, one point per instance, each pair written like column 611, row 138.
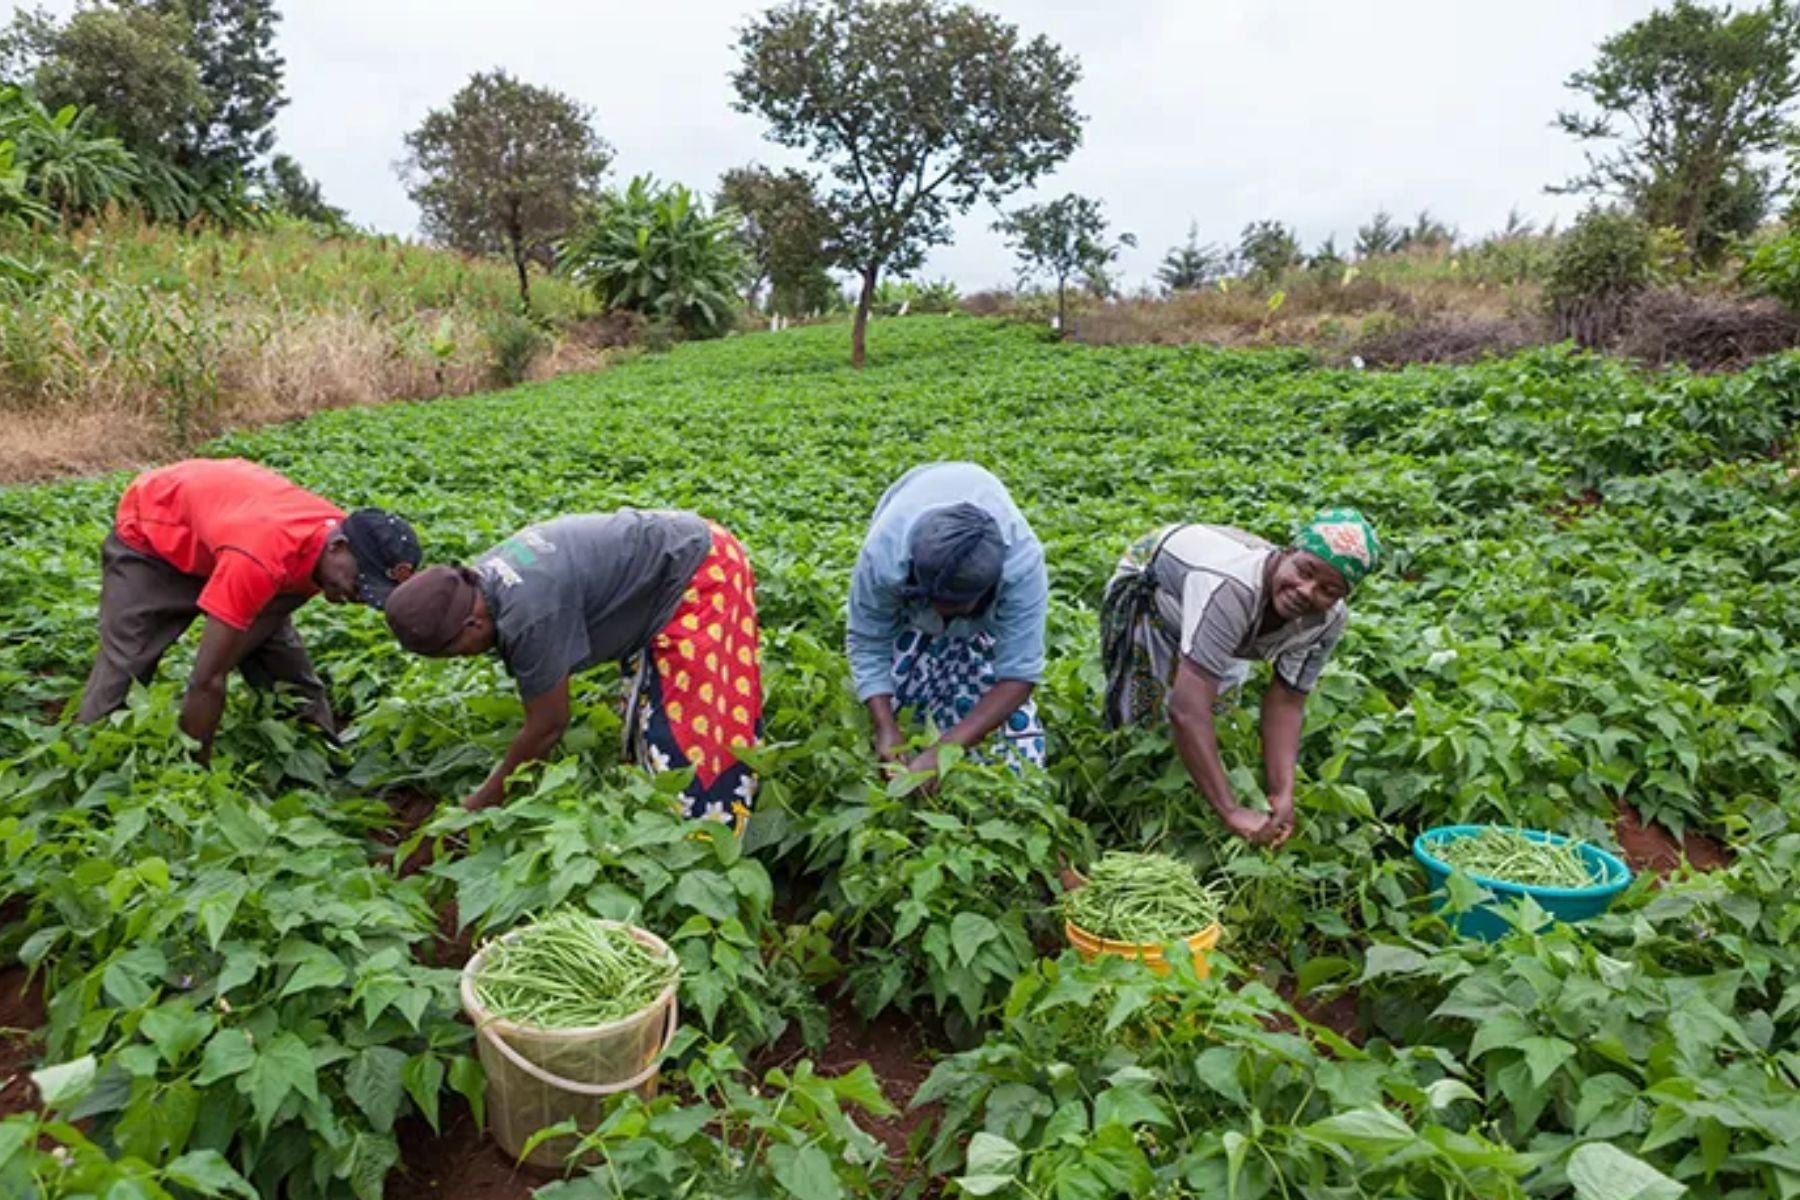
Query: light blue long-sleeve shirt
column 878, row 615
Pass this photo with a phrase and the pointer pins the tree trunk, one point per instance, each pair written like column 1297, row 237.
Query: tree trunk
column 524, row 278
column 859, row 330
column 1062, row 308
column 515, row 237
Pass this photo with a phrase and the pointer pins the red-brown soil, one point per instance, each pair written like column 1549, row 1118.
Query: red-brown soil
column 21, row 1013
column 461, row 1163
column 897, row 1048
column 1653, row 848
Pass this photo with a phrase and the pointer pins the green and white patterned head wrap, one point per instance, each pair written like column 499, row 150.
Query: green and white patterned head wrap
column 1344, row 538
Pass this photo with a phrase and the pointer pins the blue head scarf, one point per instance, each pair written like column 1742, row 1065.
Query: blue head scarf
column 957, row 557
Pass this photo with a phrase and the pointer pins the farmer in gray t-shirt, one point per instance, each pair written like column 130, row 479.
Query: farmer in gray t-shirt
column 667, row 594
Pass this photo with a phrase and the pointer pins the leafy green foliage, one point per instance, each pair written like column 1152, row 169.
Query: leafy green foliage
column 655, row 250
column 1191, row 265
column 504, row 169
column 301, row 197
column 1591, row 600
column 917, row 109
column 128, row 62
column 1266, row 249
column 1690, row 97
column 1105, row 1080
column 1601, row 265
column 787, row 234
column 1062, row 238
column 789, row 1136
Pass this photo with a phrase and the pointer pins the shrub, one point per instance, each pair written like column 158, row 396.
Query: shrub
column 657, row 251
column 1773, row 269
column 515, row 344
column 1606, row 260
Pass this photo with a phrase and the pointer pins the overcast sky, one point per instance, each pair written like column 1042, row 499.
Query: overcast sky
column 1314, row 112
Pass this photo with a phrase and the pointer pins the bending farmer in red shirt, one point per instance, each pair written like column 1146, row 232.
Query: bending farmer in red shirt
column 239, row 544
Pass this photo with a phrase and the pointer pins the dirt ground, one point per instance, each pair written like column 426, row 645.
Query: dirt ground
column 21, row 1015
column 462, row 1163
column 1653, row 848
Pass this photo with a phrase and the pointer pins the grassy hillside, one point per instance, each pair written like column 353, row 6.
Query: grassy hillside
column 123, row 342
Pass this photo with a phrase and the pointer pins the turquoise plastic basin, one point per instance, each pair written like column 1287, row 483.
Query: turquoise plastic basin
column 1611, row 876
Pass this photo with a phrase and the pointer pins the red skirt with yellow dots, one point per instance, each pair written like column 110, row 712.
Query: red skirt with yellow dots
column 696, row 695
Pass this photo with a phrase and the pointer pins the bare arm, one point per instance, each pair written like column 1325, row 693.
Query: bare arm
column 888, row 737
column 1197, row 741
column 989, row 713
column 546, row 717
column 1283, row 715
column 221, row 649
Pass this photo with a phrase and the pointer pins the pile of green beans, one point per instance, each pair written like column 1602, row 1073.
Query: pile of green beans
column 568, row 970
column 1142, row 898
column 1509, row 856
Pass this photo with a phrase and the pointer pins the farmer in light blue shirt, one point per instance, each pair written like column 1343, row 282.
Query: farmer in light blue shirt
column 947, row 610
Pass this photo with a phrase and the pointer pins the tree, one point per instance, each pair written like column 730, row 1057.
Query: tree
column 657, row 251
column 1426, row 233
column 1379, row 236
column 786, row 234
column 1063, row 239
column 1267, row 249
column 1326, row 262
column 1689, row 97
column 917, row 108
column 128, row 64
column 298, row 195
column 505, row 169
column 1190, row 266
column 232, row 45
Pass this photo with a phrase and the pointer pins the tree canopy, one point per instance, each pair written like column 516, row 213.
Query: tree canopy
column 916, row 109
column 1687, row 99
column 1062, row 239
column 505, row 169
column 786, row 232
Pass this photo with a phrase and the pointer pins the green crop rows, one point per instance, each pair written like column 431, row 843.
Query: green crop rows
column 243, row 996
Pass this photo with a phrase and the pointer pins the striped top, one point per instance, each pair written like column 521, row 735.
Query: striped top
column 1209, row 596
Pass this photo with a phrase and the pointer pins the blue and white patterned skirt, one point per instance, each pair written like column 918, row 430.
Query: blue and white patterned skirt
column 942, row 678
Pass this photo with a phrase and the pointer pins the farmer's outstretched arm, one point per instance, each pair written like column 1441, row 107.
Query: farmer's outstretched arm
column 1283, row 715
column 1197, row 741
column 546, row 716
column 221, row 649
column 990, row 712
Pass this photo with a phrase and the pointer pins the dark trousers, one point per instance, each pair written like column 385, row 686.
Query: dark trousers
column 146, row 605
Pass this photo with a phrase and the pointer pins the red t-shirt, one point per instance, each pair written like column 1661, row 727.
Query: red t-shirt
column 246, row 530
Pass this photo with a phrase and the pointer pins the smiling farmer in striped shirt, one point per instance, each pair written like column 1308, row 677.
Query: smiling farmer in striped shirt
column 1191, row 606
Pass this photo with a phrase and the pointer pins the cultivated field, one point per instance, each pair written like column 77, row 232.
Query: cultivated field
column 1588, row 625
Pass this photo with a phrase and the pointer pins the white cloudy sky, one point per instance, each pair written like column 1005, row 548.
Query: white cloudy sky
column 1316, row 112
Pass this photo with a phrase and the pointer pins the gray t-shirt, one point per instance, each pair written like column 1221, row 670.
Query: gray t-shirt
column 579, row 591
column 1210, row 589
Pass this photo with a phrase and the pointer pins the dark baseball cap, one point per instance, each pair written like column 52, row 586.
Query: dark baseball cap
column 380, row 541
column 429, row 610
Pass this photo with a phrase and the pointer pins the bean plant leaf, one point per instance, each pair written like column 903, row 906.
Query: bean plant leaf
column 228, row 1053
column 1371, row 1131
column 282, row 1067
column 969, row 932
column 65, row 1083
column 208, row 1173
column 806, row 1173
column 1602, row 1171
column 375, row 1084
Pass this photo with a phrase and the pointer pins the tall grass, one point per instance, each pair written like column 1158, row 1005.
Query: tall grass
column 165, row 336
